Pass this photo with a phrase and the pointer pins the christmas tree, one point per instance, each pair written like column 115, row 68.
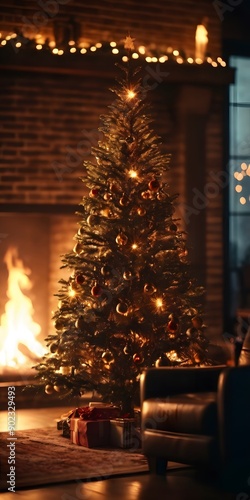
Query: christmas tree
column 130, row 301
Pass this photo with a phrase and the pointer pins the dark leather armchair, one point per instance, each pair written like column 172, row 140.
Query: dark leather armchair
column 197, row 416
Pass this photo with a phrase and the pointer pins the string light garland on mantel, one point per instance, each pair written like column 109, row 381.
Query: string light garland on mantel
column 19, row 42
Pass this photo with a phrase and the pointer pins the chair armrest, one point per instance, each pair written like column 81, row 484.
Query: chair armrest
column 234, row 415
column 165, row 381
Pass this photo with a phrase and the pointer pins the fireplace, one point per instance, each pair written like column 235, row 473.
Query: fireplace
column 31, row 247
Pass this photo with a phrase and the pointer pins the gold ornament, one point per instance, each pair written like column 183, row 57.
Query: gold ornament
column 107, row 357
column 141, row 211
column 149, row 288
column 129, row 43
column 49, row 389
column 121, row 239
column 122, row 308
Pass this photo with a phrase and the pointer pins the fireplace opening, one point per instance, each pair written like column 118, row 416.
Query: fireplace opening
column 31, row 248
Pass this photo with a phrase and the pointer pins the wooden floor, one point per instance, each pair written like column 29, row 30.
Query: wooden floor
column 182, row 484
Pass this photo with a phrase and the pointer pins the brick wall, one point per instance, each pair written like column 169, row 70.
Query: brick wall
column 49, row 120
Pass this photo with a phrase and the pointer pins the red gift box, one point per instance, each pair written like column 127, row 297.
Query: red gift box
column 90, row 433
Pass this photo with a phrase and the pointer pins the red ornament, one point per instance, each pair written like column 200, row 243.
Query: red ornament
column 154, row 185
column 172, row 326
column 80, row 279
column 137, row 358
column 94, row 192
column 96, row 290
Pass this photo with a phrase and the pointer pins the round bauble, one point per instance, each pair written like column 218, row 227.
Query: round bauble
column 146, row 195
column 80, row 323
column 127, row 275
column 59, row 388
column 197, row 322
column 114, row 188
column 53, row 347
column 127, row 349
column 121, row 239
column 191, row 332
column 107, row 196
column 122, row 308
column 106, row 271
column 141, row 211
column 138, row 358
column 172, row 326
column 96, row 290
column 49, row 389
column 80, row 279
column 149, row 289
column 154, row 185
column 124, row 201
column 107, row 357
column 92, row 220
column 94, row 192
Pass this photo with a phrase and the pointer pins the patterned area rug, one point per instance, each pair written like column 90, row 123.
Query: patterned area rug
column 43, row 456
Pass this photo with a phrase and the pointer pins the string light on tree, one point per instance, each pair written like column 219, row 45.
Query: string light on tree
column 243, row 187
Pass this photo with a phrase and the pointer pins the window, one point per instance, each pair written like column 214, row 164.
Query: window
column 239, row 183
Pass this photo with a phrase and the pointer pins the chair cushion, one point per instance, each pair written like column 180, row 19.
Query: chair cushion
column 185, row 413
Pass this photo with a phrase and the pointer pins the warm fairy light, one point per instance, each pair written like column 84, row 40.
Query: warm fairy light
column 248, row 170
column 142, row 49
column 60, row 52
column 238, row 176
column 133, row 174
column 238, row 188
column 130, row 94
column 159, row 303
column 134, row 246
column 243, row 200
column 71, row 292
column 18, row 44
column 162, row 59
column 243, row 166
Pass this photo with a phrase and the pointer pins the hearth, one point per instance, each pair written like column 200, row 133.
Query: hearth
column 31, row 245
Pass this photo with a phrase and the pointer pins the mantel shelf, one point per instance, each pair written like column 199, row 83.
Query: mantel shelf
column 104, row 67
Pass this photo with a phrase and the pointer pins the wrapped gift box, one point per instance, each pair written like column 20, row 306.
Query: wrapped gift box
column 124, row 433
column 90, row 433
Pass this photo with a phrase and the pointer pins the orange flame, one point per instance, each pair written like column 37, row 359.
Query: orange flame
column 18, row 331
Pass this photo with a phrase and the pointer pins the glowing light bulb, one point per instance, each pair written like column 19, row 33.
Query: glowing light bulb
column 238, row 188
column 125, row 58
column 243, row 200
column 148, row 59
column 98, row 45
column 130, row 94
column 133, row 174
column 162, row 59
column 3, row 42
column 55, row 51
column 154, row 59
column 134, row 246
column 18, row 44
column 93, row 48
column 72, row 42
column 115, row 51
column 60, row 52
column 190, row 60
column 243, row 166
column 135, row 55
column 72, row 50
column 176, row 52
column 39, row 46
column 83, row 50
column 112, row 44
column 159, row 303
column 198, row 60
column 179, row 60
column 72, row 292
column 141, row 49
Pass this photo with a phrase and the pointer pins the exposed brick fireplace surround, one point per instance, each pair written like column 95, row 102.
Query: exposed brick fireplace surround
column 50, row 112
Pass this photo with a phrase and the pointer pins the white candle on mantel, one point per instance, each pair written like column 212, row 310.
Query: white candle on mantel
column 201, row 41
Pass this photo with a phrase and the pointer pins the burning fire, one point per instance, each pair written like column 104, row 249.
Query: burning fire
column 18, row 331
